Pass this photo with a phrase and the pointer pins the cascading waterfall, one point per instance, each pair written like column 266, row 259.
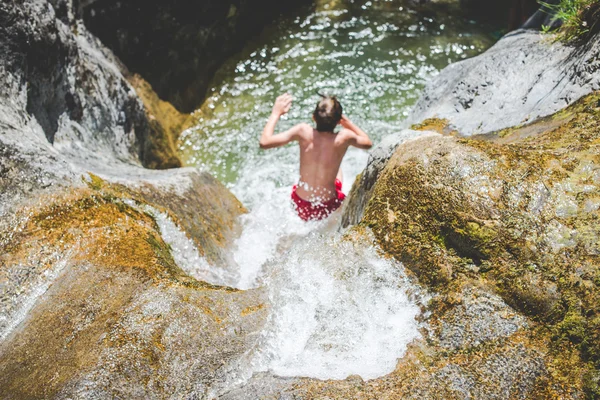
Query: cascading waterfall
column 337, row 307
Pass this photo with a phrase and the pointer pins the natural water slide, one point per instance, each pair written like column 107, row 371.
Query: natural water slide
column 338, row 308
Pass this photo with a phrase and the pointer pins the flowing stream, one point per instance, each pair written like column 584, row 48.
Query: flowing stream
column 337, row 307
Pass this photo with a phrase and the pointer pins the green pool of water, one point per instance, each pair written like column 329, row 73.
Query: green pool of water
column 376, row 56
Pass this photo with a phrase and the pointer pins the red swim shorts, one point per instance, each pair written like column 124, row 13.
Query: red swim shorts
column 316, row 211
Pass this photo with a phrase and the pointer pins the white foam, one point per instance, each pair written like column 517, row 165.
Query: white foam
column 338, row 309
column 265, row 188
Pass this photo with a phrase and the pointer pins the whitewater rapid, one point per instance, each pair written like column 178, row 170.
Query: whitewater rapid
column 337, row 307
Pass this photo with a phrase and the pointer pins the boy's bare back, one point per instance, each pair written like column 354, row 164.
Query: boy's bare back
column 321, row 152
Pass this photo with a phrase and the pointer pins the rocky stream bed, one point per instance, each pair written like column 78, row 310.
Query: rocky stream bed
column 483, row 206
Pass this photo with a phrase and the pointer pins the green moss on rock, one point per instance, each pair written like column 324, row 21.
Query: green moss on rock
column 514, row 210
column 441, row 126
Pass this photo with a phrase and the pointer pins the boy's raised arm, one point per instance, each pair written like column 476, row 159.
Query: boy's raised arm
column 361, row 140
column 268, row 139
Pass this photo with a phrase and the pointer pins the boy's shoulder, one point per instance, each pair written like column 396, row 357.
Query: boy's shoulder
column 304, row 129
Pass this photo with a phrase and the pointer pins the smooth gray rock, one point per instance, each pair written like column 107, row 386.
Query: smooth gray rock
column 65, row 107
column 59, row 82
column 480, row 317
column 523, row 77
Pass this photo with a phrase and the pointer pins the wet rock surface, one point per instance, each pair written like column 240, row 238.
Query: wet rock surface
column 476, row 347
column 513, row 214
column 264, row 385
column 92, row 301
column 523, row 77
column 201, row 206
column 89, row 282
column 478, row 317
column 378, row 157
column 60, row 83
column 501, row 227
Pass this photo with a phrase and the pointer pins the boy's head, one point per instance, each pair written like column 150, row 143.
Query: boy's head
column 327, row 114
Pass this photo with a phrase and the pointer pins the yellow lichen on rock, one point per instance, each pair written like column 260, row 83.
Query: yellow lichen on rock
column 207, row 212
column 436, row 125
column 100, row 228
column 118, row 307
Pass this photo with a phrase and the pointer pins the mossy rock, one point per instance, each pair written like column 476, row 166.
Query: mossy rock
column 199, row 204
column 101, row 309
column 514, row 210
column 159, row 150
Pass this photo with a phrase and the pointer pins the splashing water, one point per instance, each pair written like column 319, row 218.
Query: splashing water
column 184, row 251
column 338, row 310
column 337, row 307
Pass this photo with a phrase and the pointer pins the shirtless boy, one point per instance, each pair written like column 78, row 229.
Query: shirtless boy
column 319, row 190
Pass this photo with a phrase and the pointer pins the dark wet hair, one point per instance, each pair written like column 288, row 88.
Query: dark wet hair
column 328, row 113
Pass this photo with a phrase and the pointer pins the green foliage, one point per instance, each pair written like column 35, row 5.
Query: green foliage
column 578, row 18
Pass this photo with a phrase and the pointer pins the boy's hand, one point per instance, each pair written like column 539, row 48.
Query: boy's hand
column 282, row 104
column 345, row 122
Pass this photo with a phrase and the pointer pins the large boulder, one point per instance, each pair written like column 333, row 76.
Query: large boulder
column 94, row 304
column 523, row 77
column 517, row 216
column 361, row 192
column 60, row 84
column 103, row 263
column 502, row 228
